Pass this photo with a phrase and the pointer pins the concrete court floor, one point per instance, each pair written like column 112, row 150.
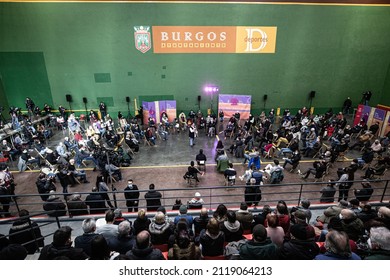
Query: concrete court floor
column 165, row 164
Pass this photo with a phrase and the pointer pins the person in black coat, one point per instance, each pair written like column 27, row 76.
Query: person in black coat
column 95, row 202
column 132, row 196
column 141, row 223
column 365, row 193
column 61, row 247
column 45, row 184
column 26, row 232
column 125, row 240
column 84, row 241
column 76, row 206
column 54, row 205
column 302, row 245
column 153, row 198
column 212, row 239
column 143, row 249
column 200, row 223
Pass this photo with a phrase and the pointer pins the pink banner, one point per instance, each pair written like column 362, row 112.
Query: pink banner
column 155, row 110
column 231, row 104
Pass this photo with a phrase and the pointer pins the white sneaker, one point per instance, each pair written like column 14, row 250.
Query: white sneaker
column 241, row 178
column 284, row 158
column 299, row 172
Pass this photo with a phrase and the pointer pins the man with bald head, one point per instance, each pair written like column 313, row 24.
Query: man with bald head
column 200, row 222
column 143, row 249
column 351, row 224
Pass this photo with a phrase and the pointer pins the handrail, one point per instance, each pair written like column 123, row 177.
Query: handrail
column 292, row 193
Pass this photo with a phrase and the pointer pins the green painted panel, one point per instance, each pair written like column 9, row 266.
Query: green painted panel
column 102, row 77
column 24, row 74
column 338, row 51
column 109, row 101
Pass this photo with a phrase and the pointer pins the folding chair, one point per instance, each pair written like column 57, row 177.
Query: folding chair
column 230, row 180
column 202, row 165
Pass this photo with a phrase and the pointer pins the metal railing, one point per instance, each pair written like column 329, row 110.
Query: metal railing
column 231, row 196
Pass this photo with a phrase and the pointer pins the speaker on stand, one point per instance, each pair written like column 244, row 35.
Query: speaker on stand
column 312, row 94
column 199, row 99
column 85, row 101
column 69, row 100
column 265, row 97
column 128, row 108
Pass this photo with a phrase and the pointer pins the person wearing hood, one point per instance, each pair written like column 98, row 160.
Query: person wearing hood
column 231, row 227
column 160, row 230
column 212, row 239
column 61, row 247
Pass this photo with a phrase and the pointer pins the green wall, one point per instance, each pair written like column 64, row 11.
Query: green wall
column 338, row 51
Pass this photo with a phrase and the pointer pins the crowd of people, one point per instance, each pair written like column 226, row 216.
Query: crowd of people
column 344, row 231
column 285, row 139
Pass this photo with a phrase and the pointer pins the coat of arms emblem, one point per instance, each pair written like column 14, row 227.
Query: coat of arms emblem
column 142, row 38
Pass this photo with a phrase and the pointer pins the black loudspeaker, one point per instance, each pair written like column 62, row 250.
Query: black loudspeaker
column 127, row 99
column 84, row 99
column 69, row 98
column 199, row 97
column 312, row 94
column 265, row 97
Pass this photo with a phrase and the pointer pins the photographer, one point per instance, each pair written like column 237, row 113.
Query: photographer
column 45, row 184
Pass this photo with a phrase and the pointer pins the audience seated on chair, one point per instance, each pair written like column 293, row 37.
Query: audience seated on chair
column 201, row 221
column 201, row 160
column 230, row 175
column 196, row 202
column 212, row 239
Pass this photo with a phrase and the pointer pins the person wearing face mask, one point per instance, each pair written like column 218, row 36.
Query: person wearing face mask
column 351, row 224
column 131, row 196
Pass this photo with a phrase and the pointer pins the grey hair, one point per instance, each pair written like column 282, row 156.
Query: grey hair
column 124, row 228
column 381, row 236
column 337, row 242
column 88, row 225
column 305, row 203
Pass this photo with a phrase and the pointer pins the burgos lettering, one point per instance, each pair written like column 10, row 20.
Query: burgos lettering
column 189, row 36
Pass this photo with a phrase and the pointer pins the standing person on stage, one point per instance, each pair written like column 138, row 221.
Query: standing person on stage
column 191, row 134
column 347, row 106
column 103, row 190
column 153, row 198
column 30, row 106
column 103, row 110
column 131, row 196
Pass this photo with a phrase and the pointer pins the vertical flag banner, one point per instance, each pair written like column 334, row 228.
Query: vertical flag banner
column 386, row 124
column 230, row 104
column 358, row 115
column 379, row 117
column 363, row 112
